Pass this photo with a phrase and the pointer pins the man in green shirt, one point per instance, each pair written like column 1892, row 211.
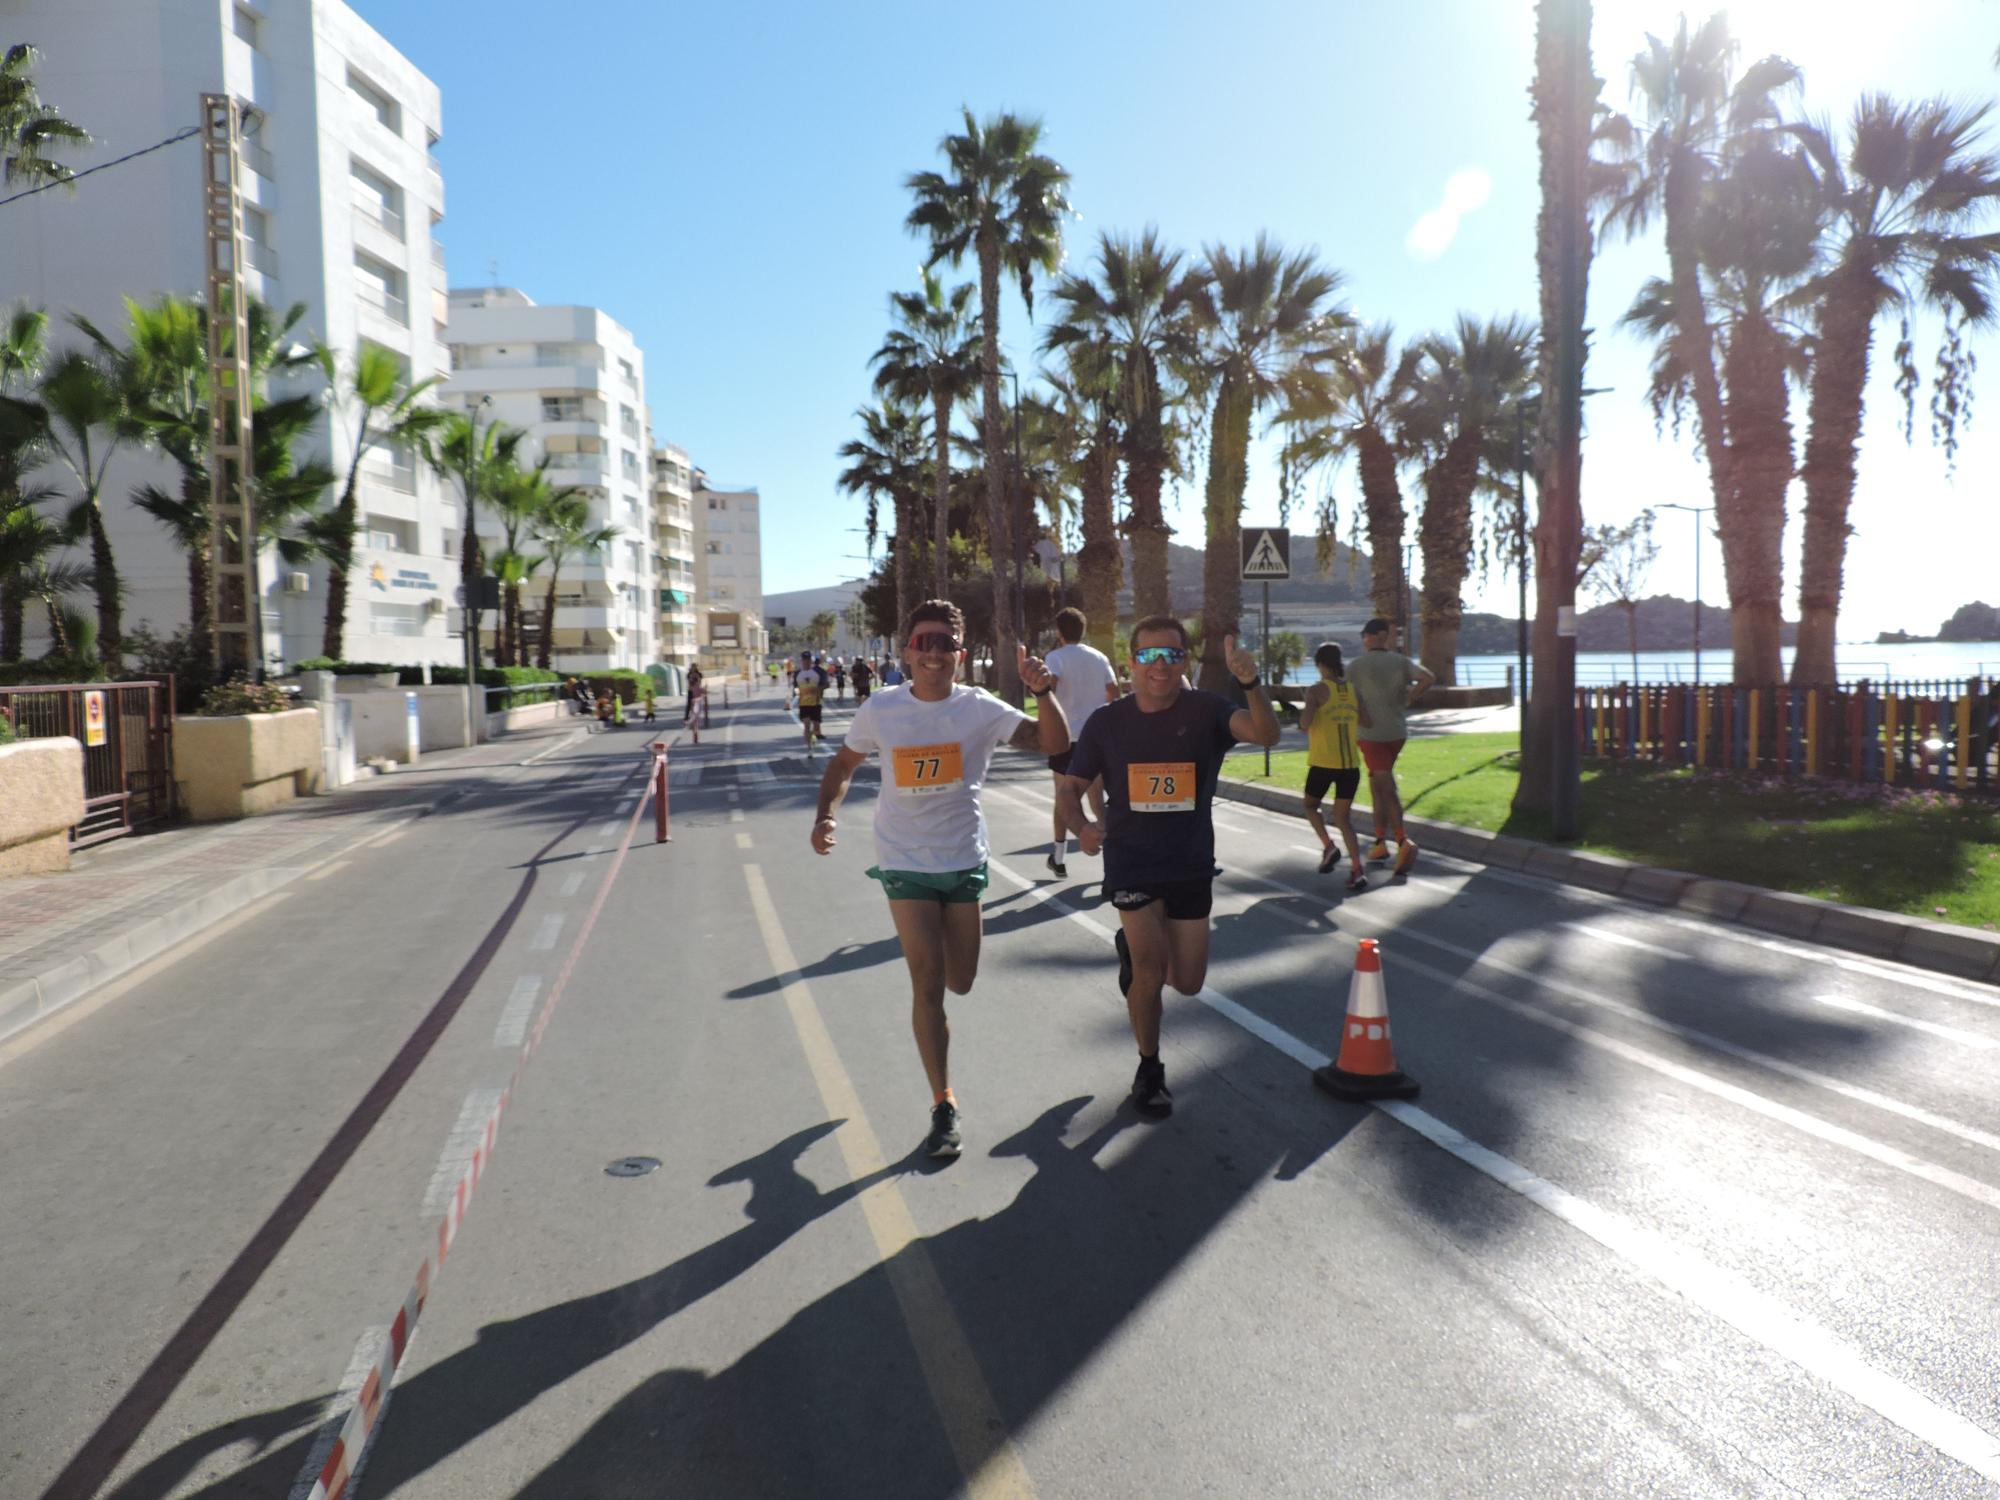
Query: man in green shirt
column 1388, row 683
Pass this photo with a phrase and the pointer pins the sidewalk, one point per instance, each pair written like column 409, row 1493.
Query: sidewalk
column 122, row 903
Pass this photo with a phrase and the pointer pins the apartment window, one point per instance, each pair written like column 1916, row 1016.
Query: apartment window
column 715, row 502
column 396, row 619
column 628, row 461
column 626, row 373
column 562, row 409
column 377, row 200
column 246, row 24
column 377, row 102
column 564, row 354
column 714, row 549
column 380, row 286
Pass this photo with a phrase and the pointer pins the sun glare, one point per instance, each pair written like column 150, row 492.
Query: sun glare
column 1825, row 31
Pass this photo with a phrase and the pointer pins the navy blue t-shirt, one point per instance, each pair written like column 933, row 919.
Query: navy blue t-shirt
column 1159, row 775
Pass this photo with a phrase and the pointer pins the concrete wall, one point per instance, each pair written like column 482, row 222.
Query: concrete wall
column 382, row 725
column 41, row 799
column 243, row 764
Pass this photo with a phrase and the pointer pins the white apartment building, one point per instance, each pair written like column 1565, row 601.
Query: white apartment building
column 575, row 379
column 673, row 532
column 343, row 196
column 729, row 577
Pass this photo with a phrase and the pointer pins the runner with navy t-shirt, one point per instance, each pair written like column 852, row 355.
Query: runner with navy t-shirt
column 1160, row 751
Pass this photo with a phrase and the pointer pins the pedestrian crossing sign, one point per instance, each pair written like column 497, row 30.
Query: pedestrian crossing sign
column 1267, row 552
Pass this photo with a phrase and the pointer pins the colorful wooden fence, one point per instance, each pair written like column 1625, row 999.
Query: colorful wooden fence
column 1941, row 736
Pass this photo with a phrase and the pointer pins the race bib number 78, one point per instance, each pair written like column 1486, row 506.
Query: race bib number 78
column 922, row 770
column 1161, row 786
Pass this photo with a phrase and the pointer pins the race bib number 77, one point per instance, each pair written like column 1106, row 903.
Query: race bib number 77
column 923, row 770
column 1161, row 786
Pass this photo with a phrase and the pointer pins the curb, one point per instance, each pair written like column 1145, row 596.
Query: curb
column 1937, row 946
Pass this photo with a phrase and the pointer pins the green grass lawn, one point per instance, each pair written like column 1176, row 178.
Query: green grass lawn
column 1913, row 852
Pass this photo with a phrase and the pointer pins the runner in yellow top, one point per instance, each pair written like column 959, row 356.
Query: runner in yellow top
column 811, row 685
column 1332, row 718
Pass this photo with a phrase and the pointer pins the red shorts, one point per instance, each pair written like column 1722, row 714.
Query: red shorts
column 1381, row 754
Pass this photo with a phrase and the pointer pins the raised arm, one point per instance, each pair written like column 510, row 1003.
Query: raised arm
column 833, row 787
column 1049, row 734
column 1256, row 725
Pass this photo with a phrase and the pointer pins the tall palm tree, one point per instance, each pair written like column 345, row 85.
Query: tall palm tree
column 29, row 128
column 452, row 451
column 1350, row 407
column 932, row 355
column 1080, row 421
column 1908, row 200
column 23, row 436
column 28, row 539
column 564, row 532
column 387, row 408
column 1459, row 417
column 519, row 499
column 1698, row 117
column 887, row 463
column 1004, row 201
column 1264, row 316
column 89, row 420
column 1136, row 319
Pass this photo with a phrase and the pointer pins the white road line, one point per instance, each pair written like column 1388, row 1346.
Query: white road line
column 326, row 870
column 1761, row 1318
column 572, row 885
column 736, row 815
column 512, row 1029
column 611, row 830
column 459, row 1147
column 562, row 744
column 547, row 933
column 743, row 841
column 1949, row 1033
column 367, row 1354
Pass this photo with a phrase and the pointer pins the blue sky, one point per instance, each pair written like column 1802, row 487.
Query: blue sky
column 727, row 181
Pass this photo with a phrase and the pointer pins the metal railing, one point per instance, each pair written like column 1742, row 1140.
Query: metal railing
column 128, row 773
column 383, row 300
column 381, row 217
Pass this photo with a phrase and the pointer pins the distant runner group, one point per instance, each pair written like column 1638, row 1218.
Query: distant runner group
column 1135, row 778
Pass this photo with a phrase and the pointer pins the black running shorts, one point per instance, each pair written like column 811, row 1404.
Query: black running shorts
column 809, row 713
column 1185, row 900
column 1344, row 783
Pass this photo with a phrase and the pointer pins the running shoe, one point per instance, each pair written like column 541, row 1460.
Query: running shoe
column 1056, row 867
column 1406, row 855
column 1329, row 859
column 1378, row 851
column 1124, row 962
column 1150, row 1095
column 1357, row 883
column 943, row 1142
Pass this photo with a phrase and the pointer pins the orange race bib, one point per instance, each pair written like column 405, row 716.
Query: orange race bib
column 1161, row 786
column 922, row 770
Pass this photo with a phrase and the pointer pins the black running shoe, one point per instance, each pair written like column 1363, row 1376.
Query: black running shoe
column 943, row 1142
column 1056, row 867
column 1357, row 883
column 1124, row 962
column 1150, row 1095
column 1329, row 859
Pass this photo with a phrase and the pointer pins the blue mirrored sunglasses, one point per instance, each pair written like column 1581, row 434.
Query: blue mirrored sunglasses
column 1147, row 655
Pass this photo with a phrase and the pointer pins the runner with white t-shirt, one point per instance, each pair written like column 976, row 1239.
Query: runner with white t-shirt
column 1085, row 682
column 936, row 738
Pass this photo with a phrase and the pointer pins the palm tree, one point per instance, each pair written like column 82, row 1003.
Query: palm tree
column 89, row 420
column 23, row 345
column 451, row 451
column 932, row 356
column 519, row 499
column 1004, row 201
column 1263, row 318
column 1459, row 419
column 1351, row 407
column 887, row 462
column 564, row 532
column 1136, row 320
column 1907, row 203
column 30, row 129
column 388, row 409
column 1699, row 118
column 1077, row 422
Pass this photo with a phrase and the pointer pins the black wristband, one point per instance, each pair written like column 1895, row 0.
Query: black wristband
column 1042, row 692
column 1255, row 682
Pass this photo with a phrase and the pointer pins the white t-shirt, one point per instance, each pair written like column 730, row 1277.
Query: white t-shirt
column 934, row 760
column 1082, row 673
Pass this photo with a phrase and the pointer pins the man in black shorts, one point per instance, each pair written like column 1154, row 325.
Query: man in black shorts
column 1159, row 751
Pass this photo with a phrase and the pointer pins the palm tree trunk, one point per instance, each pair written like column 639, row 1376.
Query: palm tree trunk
column 1834, row 406
column 109, row 591
column 1695, row 338
column 1382, row 497
column 1000, row 534
column 1099, row 564
column 1445, row 535
column 908, row 529
column 941, row 519
column 194, row 495
column 546, row 653
column 1228, row 477
column 1145, row 522
column 13, row 619
column 333, row 637
column 1760, row 469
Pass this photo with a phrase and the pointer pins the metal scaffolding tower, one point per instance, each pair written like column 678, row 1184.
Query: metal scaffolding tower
column 236, row 612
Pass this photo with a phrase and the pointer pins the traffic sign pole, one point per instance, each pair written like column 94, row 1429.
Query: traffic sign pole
column 1267, row 660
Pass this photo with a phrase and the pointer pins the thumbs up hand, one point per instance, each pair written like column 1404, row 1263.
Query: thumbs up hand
column 1034, row 671
column 1242, row 665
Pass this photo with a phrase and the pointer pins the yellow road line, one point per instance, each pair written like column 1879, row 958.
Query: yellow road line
column 971, row 1417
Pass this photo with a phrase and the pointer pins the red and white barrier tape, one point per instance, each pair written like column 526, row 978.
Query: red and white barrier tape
column 353, row 1439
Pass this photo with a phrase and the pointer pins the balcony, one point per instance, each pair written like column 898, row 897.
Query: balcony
column 259, row 256
column 391, row 473
column 437, row 258
column 259, row 161
column 373, row 294
column 380, row 218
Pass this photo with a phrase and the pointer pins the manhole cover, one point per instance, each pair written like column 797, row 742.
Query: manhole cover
column 633, row 1166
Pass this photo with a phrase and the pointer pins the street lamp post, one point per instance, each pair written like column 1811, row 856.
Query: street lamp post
column 1020, row 523
column 469, row 572
column 1698, row 511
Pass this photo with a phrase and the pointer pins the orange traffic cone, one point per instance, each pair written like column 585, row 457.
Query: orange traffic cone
column 1366, row 1068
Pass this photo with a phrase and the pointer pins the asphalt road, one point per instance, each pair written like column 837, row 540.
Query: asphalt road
column 1682, row 1211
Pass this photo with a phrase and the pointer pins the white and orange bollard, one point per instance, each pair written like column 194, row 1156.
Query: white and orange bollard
column 660, row 833
column 1366, row 1067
